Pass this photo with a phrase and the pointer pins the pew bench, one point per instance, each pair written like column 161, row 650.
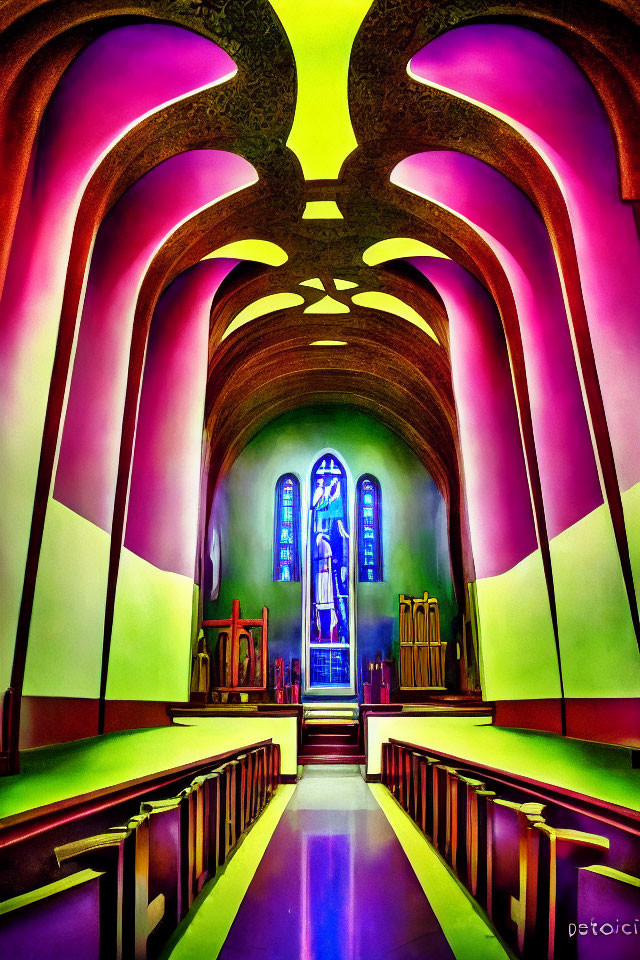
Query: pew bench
column 119, row 893
column 542, row 862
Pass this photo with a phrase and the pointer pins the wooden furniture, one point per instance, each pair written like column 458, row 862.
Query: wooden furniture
column 287, row 682
column 377, row 677
column 598, row 885
column 422, row 651
column 240, row 661
column 119, row 894
column 61, row 919
column 538, row 859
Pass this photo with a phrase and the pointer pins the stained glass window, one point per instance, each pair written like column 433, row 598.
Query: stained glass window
column 329, row 644
column 369, row 530
column 286, row 529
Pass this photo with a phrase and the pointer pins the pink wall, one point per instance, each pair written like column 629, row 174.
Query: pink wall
column 128, row 239
column 499, row 505
column 507, row 221
column 528, row 78
column 129, row 72
column 165, row 478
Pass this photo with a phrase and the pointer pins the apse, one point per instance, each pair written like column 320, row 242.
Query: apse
column 414, row 539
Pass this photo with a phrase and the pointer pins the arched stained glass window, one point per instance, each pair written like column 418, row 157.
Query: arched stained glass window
column 369, row 530
column 286, row 529
column 330, row 662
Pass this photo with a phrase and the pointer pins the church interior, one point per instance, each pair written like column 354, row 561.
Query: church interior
column 320, row 499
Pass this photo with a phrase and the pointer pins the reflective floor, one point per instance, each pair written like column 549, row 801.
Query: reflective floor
column 334, row 883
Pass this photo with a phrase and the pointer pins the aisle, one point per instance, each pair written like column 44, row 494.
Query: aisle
column 334, row 883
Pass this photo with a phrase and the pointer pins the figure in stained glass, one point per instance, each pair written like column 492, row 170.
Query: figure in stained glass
column 329, row 552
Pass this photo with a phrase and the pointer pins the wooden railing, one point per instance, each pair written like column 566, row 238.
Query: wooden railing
column 121, row 893
column 522, row 851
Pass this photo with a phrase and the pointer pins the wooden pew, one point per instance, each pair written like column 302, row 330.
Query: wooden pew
column 233, row 777
column 512, row 875
column 610, row 899
column 168, row 868
column 242, row 774
column 415, row 796
column 261, row 779
column 441, row 805
column 135, row 882
column 275, row 765
column 110, row 853
column 534, row 876
column 561, row 854
column 385, row 765
column 404, row 778
column 205, row 819
column 462, row 823
column 59, row 920
column 426, row 786
column 478, row 801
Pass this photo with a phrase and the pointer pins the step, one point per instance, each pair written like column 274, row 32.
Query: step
column 331, row 730
column 327, row 737
column 327, row 758
column 331, row 711
column 330, row 722
column 337, row 716
column 345, row 749
column 310, row 745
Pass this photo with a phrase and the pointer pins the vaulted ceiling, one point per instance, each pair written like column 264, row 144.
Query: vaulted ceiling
column 322, row 105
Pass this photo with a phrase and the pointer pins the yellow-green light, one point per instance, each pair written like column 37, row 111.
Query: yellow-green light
column 321, row 33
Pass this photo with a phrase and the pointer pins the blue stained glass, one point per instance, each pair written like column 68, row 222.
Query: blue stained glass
column 369, row 530
column 329, row 666
column 286, row 546
column 330, row 559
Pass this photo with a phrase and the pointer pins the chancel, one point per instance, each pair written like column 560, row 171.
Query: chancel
column 320, row 496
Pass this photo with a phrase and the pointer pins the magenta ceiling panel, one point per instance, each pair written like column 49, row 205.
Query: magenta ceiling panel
column 165, row 477
column 500, row 514
column 510, row 225
column 127, row 241
column 129, row 72
column 528, row 78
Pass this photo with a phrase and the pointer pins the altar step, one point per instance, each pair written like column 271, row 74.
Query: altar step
column 331, row 734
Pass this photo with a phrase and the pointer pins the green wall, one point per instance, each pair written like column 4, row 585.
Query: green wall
column 150, row 655
column 64, row 654
column 598, row 648
column 415, row 538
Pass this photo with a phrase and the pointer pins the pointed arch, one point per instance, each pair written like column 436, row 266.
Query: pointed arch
column 286, row 529
column 329, row 595
column 369, row 513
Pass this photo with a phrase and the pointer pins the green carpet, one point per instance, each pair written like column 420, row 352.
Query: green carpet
column 593, row 769
column 52, row 774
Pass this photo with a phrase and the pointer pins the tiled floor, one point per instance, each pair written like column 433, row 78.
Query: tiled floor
column 334, row 883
